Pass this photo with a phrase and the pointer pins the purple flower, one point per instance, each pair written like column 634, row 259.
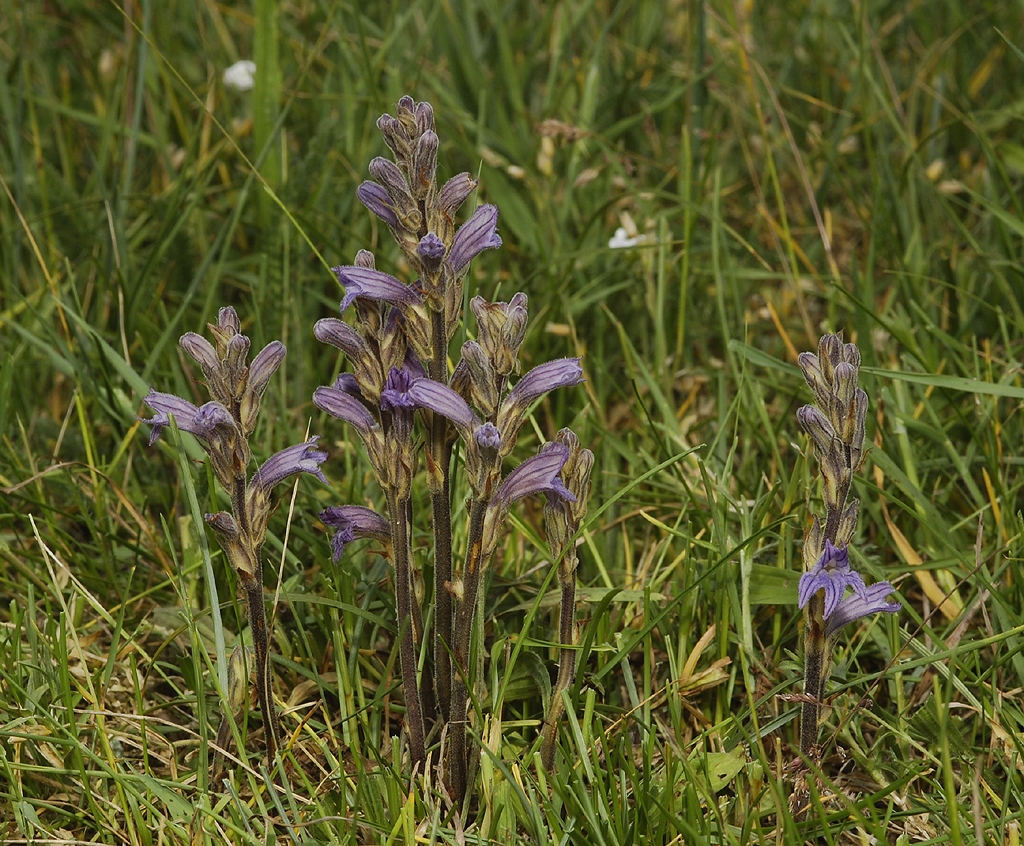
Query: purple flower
column 301, row 458
column 454, row 192
column 344, row 406
column 833, row 574
column 477, row 234
column 374, row 285
column 441, row 399
column 390, row 176
column 376, row 198
column 352, row 522
column 560, row 373
column 337, row 333
column 201, row 350
column 536, row 475
column 395, row 395
column 431, row 249
column 855, row 606
column 202, row 422
column 264, row 366
column 488, row 437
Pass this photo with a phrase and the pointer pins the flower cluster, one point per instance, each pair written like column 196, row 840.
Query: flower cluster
column 835, row 425
column 397, row 346
column 223, row 427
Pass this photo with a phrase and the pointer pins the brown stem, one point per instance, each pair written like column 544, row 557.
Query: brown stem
column 253, row 587
column 466, row 604
column 566, row 662
column 441, row 451
column 816, row 664
column 401, row 545
column 442, row 518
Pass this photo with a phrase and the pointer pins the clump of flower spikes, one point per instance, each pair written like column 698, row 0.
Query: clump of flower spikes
column 223, row 427
column 836, row 426
column 397, row 348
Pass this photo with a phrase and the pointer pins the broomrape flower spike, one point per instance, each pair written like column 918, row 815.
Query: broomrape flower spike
column 223, row 427
column 835, row 425
column 405, row 402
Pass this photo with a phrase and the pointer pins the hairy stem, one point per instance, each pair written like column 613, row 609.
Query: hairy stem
column 440, row 499
column 253, row 588
column 566, row 660
column 816, row 668
column 465, row 609
column 402, row 544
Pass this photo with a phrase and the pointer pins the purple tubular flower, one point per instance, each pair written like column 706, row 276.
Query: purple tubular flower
column 201, row 422
column 488, row 436
column 352, row 522
column 264, row 366
column 560, row 373
column 300, row 458
column 832, row 574
column 344, row 406
column 870, row 601
column 337, row 333
column 395, row 395
column 441, row 399
column 477, row 234
column 454, row 192
column 376, row 198
column 430, row 248
column 375, row 285
column 390, row 176
column 201, row 350
column 536, row 475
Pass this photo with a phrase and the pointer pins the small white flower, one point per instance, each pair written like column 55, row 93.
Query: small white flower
column 621, row 240
column 240, row 75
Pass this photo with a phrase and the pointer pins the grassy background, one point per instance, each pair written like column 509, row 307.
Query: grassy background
column 796, row 167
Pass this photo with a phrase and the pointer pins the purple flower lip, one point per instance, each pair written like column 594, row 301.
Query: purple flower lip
column 856, row 606
column 833, row 574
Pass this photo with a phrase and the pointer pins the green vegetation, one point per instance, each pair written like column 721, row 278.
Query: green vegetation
column 790, row 168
